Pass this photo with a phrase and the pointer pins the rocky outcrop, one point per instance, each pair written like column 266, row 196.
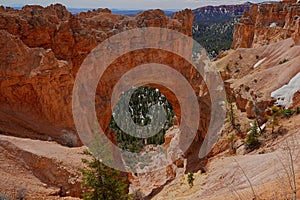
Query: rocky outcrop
column 251, row 87
column 296, row 34
column 35, row 91
column 150, row 183
column 267, row 23
column 41, row 169
column 41, row 51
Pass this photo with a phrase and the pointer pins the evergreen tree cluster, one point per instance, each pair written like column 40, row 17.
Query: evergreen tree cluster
column 139, row 106
column 101, row 182
column 215, row 37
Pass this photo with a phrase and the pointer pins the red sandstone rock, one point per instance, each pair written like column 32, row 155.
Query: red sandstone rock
column 37, row 81
column 41, row 52
column 267, row 23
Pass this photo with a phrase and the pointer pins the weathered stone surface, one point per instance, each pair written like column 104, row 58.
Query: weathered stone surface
column 147, row 184
column 37, row 81
column 296, row 34
column 42, row 169
column 267, row 23
column 42, row 50
column 35, row 92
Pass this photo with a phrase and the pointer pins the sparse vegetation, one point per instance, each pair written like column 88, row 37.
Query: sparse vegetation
column 101, row 182
column 231, row 115
column 231, row 112
column 297, row 110
column 252, row 141
column 247, row 88
column 283, row 61
column 287, row 113
column 275, row 113
column 191, row 179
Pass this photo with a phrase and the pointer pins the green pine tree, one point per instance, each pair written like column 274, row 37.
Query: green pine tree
column 101, row 182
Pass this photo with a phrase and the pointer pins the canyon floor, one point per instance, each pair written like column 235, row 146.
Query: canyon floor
column 33, row 166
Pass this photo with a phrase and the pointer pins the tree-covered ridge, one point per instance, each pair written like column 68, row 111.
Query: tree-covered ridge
column 216, row 14
column 214, row 25
column 215, row 37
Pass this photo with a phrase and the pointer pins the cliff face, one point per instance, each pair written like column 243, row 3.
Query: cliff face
column 41, row 51
column 267, row 23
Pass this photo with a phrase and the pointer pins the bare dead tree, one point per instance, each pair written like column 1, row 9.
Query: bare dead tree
column 289, row 156
column 248, row 180
column 233, row 191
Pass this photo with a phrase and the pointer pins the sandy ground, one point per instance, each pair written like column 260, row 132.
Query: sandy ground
column 40, row 168
column 227, row 176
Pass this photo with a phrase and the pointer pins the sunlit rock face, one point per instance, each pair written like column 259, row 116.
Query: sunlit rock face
column 149, row 183
column 267, row 23
column 42, row 50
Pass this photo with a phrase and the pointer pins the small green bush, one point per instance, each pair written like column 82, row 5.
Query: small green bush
column 191, row 179
column 275, row 113
column 297, row 110
column 247, row 88
column 283, row 61
column 287, row 112
column 252, row 141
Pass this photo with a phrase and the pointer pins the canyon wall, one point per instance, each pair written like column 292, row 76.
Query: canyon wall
column 42, row 50
column 267, row 23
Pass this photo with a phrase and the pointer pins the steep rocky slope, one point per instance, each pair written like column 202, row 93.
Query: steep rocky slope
column 42, row 170
column 226, row 176
column 265, row 59
column 47, row 170
column 268, row 23
column 252, row 71
column 253, row 86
